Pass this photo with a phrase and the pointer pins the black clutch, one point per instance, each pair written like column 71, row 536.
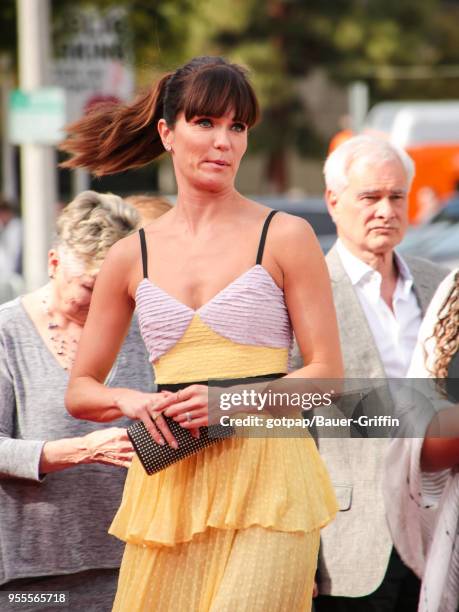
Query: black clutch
column 155, row 457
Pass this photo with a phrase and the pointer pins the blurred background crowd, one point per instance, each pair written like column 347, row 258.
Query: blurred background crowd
column 323, row 72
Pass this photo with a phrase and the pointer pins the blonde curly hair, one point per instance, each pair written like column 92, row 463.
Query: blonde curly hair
column 445, row 332
column 92, row 223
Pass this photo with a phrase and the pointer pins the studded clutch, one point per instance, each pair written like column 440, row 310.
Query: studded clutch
column 155, row 457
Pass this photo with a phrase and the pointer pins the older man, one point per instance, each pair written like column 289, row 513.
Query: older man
column 380, row 299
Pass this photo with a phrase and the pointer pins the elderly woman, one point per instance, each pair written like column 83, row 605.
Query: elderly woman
column 54, row 520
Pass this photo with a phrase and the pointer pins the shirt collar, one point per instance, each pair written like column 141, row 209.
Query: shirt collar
column 405, row 278
column 355, row 268
column 360, row 273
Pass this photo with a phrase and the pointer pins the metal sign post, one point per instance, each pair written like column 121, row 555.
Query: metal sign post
column 38, row 161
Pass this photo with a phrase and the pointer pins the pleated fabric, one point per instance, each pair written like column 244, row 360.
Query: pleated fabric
column 248, row 570
column 251, row 311
column 202, row 354
column 276, row 483
column 236, row 526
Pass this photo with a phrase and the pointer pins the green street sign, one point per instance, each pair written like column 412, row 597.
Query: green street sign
column 37, row 117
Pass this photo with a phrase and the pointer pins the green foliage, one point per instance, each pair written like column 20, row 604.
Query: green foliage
column 282, row 41
column 8, row 27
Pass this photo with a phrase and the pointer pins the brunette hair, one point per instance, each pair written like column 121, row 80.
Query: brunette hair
column 115, row 137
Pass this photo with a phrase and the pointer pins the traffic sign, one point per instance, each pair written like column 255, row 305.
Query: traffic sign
column 37, row 117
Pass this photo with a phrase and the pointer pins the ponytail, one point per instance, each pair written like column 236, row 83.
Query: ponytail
column 115, row 137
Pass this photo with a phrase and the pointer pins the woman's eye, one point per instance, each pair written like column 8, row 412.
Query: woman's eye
column 204, row 122
column 239, row 127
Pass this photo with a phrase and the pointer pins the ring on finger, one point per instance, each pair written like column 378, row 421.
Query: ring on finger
column 189, row 418
column 155, row 415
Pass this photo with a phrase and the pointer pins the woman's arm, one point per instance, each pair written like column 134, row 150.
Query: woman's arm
column 103, row 334
column 110, row 446
column 18, row 458
column 309, row 298
column 32, row 459
column 110, row 313
column 439, row 454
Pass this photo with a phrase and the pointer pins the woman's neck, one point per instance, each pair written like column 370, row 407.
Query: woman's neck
column 46, row 300
column 59, row 329
column 196, row 208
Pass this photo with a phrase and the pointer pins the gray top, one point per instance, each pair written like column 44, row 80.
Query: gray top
column 57, row 524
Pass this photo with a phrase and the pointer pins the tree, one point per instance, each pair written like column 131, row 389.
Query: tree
column 282, row 41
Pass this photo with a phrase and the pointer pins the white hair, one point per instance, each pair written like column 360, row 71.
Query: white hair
column 374, row 150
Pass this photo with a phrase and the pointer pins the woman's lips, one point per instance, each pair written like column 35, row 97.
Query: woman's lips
column 217, row 162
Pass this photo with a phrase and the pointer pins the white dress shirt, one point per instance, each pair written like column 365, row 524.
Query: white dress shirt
column 395, row 331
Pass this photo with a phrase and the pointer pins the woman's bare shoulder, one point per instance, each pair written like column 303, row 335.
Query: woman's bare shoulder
column 287, row 229
column 124, row 252
column 122, row 266
column 283, row 223
column 293, row 243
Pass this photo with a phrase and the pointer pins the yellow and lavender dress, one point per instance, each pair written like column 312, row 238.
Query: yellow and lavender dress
column 235, row 526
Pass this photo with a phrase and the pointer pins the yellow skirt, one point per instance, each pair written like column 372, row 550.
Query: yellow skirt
column 234, row 527
column 276, row 483
column 221, row 570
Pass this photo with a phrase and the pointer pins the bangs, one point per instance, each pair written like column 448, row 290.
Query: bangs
column 216, row 90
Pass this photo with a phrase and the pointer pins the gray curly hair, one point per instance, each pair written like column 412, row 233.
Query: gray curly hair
column 92, row 223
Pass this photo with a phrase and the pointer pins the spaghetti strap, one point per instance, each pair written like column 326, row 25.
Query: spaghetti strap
column 264, row 231
column 143, row 247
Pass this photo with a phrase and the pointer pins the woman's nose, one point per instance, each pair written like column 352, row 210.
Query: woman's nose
column 222, row 140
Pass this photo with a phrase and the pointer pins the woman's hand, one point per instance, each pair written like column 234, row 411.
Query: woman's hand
column 110, row 446
column 190, row 408
column 147, row 407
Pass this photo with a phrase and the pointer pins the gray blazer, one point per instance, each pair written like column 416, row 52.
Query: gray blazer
column 356, row 546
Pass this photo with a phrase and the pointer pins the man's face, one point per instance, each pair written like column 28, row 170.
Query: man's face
column 371, row 214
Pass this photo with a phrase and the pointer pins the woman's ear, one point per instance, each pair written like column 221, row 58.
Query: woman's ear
column 165, row 134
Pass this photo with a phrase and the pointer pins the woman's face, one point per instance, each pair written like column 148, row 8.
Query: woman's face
column 206, row 151
column 73, row 283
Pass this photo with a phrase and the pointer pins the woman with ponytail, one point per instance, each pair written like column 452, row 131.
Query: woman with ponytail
column 236, row 525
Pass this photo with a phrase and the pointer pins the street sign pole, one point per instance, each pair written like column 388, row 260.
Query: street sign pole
column 38, row 162
column 9, row 190
column 358, row 104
